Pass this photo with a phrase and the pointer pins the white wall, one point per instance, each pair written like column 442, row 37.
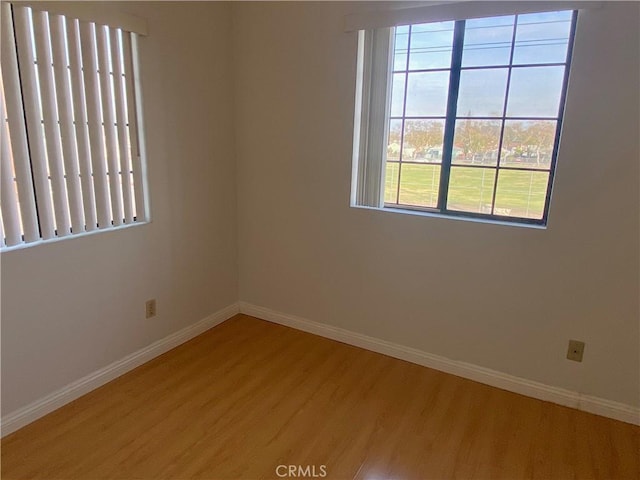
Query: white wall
column 72, row 307
column 506, row 298
column 502, row 297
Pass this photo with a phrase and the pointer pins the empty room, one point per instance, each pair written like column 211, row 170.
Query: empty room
column 341, row 240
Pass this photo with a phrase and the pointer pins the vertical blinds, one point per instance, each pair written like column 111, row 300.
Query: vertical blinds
column 71, row 159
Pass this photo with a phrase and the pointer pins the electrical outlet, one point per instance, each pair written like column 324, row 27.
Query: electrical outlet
column 576, row 350
column 150, row 308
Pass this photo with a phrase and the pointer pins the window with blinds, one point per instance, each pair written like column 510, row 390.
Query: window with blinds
column 70, row 135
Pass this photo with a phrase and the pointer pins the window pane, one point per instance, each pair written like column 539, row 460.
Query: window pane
column 535, row 92
column 431, row 45
column 419, row 185
column 521, row 194
column 391, row 183
column 400, row 51
column 393, row 142
column 427, row 94
column 423, row 141
column 487, row 41
column 482, row 92
column 471, row 189
column 397, row 94
column 528, row 144
column 476, row 142
column 542, row 38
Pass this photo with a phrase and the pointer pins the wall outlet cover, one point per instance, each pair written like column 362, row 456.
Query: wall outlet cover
column 575, row 351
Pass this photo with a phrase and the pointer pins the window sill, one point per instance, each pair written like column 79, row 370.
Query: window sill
column 49, row 241
column 424, row 213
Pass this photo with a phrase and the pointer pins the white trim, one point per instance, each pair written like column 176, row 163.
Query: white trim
column 511, row 383
column 447, row 11
column 35, row 410
column 91, row 11
column 50, row 241
column 423, row 213
column 25, row 415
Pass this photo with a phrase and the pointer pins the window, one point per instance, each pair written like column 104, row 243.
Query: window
column 463, row 117
column 71, row 139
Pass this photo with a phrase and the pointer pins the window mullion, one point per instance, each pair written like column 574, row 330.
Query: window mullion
column 504, row 115
column 450, row 122
column 404, row 114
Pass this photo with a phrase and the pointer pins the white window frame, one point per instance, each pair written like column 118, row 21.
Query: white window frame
column 373, row 97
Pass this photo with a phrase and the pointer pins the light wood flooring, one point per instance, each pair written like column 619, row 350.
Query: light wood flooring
column 248, row 395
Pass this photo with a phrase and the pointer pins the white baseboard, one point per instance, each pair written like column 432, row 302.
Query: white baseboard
column 25, row 415
column 568, row 398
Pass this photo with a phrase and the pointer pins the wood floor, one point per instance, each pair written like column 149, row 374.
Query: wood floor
column 247, row 396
